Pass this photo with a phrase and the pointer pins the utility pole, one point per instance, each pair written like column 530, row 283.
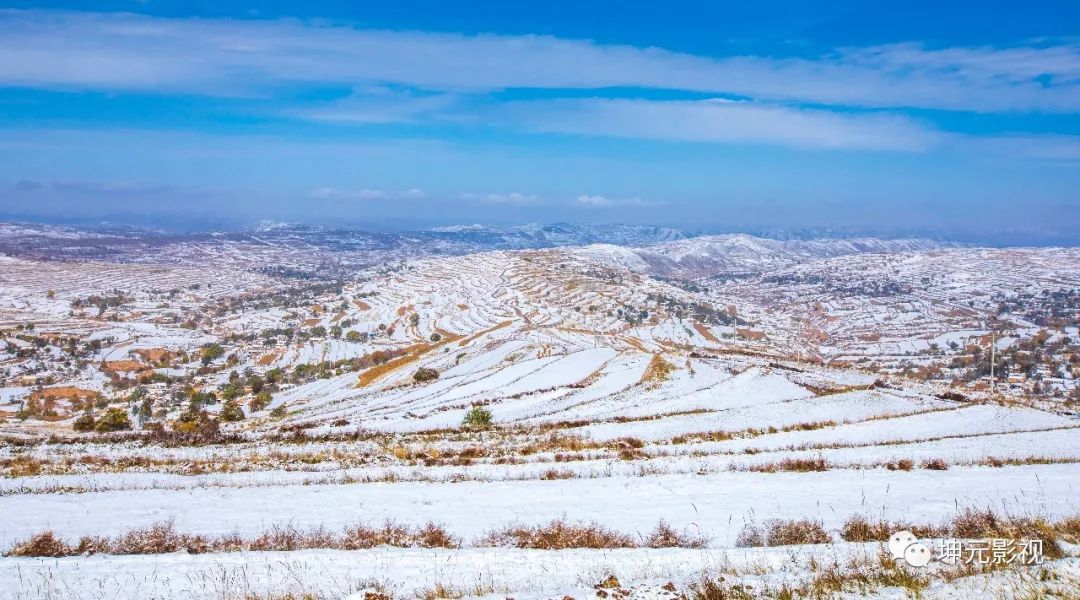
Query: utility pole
column 993, row 350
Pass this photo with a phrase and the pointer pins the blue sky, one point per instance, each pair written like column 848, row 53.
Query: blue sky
column 863, row 115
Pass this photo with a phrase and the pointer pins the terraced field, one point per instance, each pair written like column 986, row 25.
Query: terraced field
column 584, row 421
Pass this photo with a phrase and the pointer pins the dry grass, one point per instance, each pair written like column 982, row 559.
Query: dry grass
column 723, row 436
column 369, row 376
column 664, row 536
column 123, row 366
column 556, row 442
column 561, row 535
column 750, row 334
column 553, row 474
column 870, row 575
column 413, row 353
column 972, row 524
column 442, row 591
column 717, row 588
column 783, row 533
column 1069, row 529
column 658, row 370
column 629, row 448
column 936, row 464
column 21, row 466
column 795, row 465
column 859, row 529
column 998, row 463
column 65, row 393
column 558, row 535
column 163, row 538
column 861, row 578
column 985, row 524
column 704, row 331
column 44, row 544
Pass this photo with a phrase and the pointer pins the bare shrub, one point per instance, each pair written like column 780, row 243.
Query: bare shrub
column 285, row 538
column 904, row 464
column 629, row 448
column 41, row 544
column 552, row 474
column 230, row 542
column 783, row 533
column 435, row 536
column 556, row 442
column 558, row 535
column 89, row 544
column 858, row 529
column 628, row 442
column 795, row 465
column 982, row 524
column 800, row 531
column 936, row 464
column 159, row 538
column 751, row 536
column 360, row 537
column 804, row 465
column 717, row 588
column 664, row 536
column 1069, row 528
column 631, row 454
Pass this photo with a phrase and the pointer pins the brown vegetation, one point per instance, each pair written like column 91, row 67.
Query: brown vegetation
column 783, row 533
column 796, row 465
column 658, row 370
column 936, row 464
column 163, row 538
column 558, row 535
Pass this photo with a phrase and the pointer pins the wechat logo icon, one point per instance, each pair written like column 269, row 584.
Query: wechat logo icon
column 903, row 545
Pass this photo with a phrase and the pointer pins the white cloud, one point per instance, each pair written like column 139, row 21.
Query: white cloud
column 330, row 193
column 375, row 104
column 722, row 121
column 597, row 201
column 593, row 200
column 513, row 198
column 93, row 188
column 219, row 56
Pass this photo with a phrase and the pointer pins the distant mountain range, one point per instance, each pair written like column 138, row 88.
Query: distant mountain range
column 25, row 238
column 323, row 250
column 737, row 254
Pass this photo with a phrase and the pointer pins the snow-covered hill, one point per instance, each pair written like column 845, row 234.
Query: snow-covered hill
column 739, row 254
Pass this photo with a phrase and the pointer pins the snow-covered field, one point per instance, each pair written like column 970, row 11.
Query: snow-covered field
column 616, row 399
column 492, row 573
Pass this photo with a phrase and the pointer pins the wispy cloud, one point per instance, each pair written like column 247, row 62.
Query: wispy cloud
column 125, row 51
column 378, row 104
column 598, row 201
column 723, row 121
column 92, row 188
column 331, row 193
column 510, row 198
